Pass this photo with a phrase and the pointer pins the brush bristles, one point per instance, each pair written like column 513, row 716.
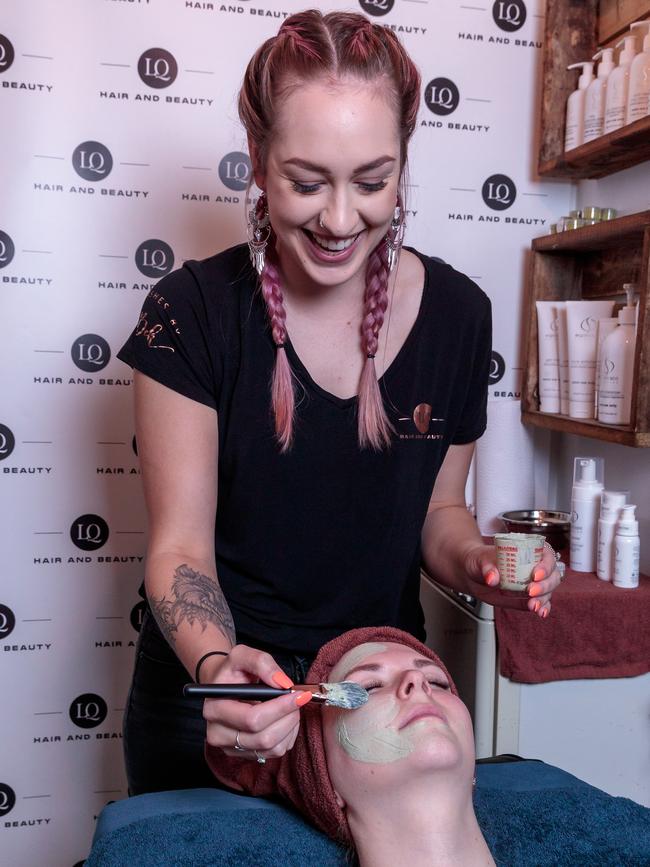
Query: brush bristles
column 347, row 695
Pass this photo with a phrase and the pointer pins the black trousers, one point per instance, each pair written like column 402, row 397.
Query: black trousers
column 163, row 731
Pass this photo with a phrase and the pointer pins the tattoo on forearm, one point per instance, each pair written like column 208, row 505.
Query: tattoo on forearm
column 195, row 598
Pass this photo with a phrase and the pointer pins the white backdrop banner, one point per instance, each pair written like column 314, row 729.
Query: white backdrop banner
column 122, row 156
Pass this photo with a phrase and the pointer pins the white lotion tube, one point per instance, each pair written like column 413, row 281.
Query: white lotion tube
column 563, row 355
column 582, row 330
column 547, row 344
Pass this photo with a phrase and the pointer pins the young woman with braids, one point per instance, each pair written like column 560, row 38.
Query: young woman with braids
column 305, row 431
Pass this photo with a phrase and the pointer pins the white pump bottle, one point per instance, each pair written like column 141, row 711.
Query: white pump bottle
column 626, row 550
column 617, row 366
column 617, row 86
column 575, row 107
column 595, row 96
column 639, row 88
column 585, row 507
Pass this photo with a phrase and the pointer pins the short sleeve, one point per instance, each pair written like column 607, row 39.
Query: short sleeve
column 171, row 341
column 473, row 418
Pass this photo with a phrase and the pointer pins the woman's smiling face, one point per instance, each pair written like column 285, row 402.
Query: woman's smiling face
column 335, row 155
column 411, row 724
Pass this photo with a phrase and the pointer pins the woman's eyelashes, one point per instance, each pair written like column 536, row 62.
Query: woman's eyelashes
column 435, row 682
column 364, row 186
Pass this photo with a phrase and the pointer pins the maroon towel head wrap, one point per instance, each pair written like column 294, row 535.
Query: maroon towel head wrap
column 301, row 776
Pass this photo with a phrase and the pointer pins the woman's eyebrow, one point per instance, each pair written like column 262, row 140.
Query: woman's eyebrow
column 312, row 167
column 418, row 662
column 371, row 666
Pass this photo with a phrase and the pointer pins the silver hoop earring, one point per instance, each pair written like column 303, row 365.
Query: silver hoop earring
column 259, row 232
column 395, row 237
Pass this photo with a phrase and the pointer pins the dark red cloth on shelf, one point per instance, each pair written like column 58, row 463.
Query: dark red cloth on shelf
column 595, row 630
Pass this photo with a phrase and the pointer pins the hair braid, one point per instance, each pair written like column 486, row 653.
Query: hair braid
column 373, row 424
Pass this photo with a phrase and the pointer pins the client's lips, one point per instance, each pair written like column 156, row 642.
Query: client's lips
column 420, row 712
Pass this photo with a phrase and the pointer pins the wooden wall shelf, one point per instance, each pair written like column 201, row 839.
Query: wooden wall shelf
column 592, row 262
column 574, row 30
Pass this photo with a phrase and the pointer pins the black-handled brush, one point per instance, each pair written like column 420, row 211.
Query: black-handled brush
column 347, row 695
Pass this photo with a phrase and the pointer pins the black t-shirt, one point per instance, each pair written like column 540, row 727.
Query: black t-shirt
column 326, row 537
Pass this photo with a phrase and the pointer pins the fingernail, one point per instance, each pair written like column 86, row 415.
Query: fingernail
column 281, row 679
column 303, row 698
column 537, row 606
column 545, row 613
column 538, row 574
column 492, row 578
column 534, row 590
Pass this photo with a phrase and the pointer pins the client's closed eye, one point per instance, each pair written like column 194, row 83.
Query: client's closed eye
column 440, row 684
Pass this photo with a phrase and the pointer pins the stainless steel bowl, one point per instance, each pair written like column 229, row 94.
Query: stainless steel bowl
column 554, row 526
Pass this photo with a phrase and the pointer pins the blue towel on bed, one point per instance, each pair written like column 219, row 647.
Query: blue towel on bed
column 532, row 815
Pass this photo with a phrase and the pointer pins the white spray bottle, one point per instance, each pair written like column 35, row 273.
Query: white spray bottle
column 639, row 87
column 626, row 550
column 611, row 503
column 575, row 107
column 617, row 86
column 585, row 506
column 595, row 96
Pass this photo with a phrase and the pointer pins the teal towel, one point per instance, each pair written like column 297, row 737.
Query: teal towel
column 532, row 815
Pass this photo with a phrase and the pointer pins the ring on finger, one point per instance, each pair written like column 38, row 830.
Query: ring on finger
column 261, row 760
column 238, row 746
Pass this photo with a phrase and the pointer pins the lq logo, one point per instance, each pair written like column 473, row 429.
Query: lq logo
column 88, row 710
column 7, row 249
column 7, row 799
column 7, row 442
column 499, row 192
column 377, row 7
column 92, row 161
column 509, row 15
column 90, row 353
column 154, row 258
column 89, row 532
column 235, row 170
column 6, row 53
column 441, row 96
column 157, row 68
column 497, row 368
column 7, row 622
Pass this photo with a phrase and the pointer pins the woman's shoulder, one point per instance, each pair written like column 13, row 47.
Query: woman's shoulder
column 445, row 283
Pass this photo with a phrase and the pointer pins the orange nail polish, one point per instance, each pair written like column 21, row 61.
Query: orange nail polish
column 534, row 590
column 492, row 578
column 537, row 606
column 303, row 698
column 538, row 574
column 281, row 679
column 545, row 613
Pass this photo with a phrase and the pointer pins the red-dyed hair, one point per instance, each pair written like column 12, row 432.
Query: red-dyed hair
column 310, row 46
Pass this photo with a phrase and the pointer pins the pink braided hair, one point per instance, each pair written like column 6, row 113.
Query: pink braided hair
column 308, row 46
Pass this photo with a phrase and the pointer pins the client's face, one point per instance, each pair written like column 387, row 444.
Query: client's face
column 411, row 725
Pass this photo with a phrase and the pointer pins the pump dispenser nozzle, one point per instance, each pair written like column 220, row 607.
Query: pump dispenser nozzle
column 629, row 50
column 646, row 40
column 606, row 65
column 586, row 78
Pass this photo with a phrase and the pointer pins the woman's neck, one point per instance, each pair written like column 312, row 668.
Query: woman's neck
column 429, row 831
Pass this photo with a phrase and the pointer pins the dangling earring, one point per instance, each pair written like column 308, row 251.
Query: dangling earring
column 259, row 232
column 395, row 237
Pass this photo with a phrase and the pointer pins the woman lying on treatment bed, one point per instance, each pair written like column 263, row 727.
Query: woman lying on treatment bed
column 392, row 778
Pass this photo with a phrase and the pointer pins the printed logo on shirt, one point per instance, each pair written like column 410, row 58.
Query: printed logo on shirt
column 441, row 96
column 7, row 442
column 92, row 161
column 499, row 192
column 7, row 622
column 157, row 68
column 417, row 426
column 235, row 170
column 377, row 7
column 7, row 799
column 509, row 15
column 150, row 333
column 7, row 53
column 154, row 258
column 89, row 532
column 88, row 710
column 90, row 352
column 7, row 249
column 497, row 368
